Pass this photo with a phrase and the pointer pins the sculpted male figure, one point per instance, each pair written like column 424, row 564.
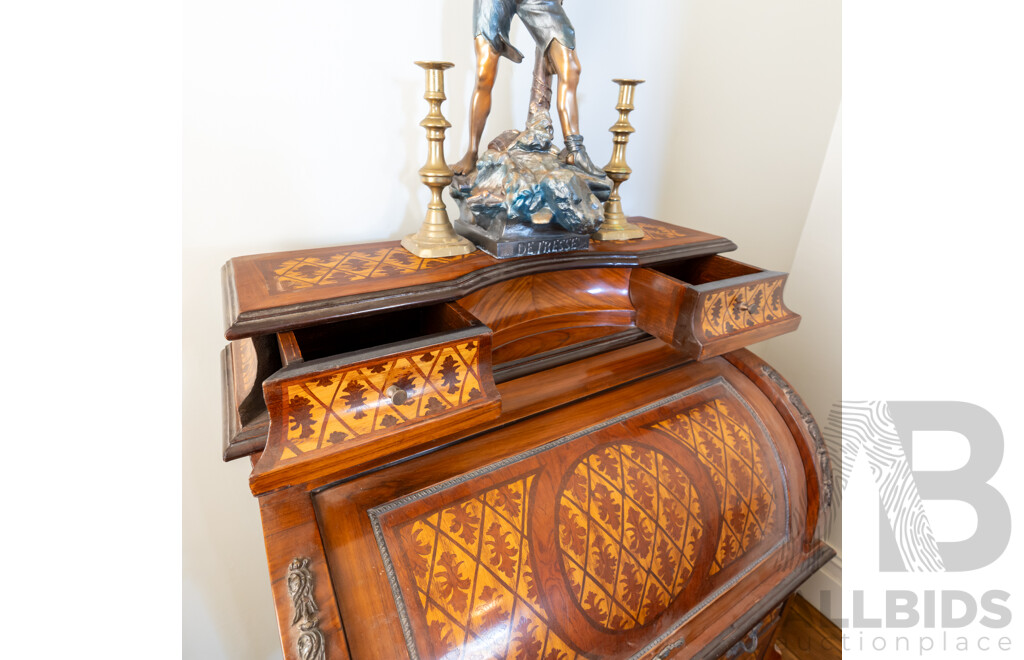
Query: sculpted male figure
column 556, row 41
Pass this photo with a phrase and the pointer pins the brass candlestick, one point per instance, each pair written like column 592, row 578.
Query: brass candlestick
column 615, row 227
column 436, row 237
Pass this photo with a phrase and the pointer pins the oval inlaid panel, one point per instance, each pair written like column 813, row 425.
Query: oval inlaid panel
column 629, row 520
column 599, row 545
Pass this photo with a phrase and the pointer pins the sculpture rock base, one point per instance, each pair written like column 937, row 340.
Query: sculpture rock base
column 522, row 240
column 522, row 199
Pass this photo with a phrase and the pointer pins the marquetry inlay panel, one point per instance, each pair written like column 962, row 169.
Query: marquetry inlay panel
column 732, row 310
column 349, row 265
column 659, row 231
column 336, row 407
column 602, row 542
column 475, row 585
column 629, row 522
column 736, row 461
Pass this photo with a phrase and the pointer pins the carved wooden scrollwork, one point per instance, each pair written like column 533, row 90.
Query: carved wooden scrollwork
column 310, row 641
column 824, row 461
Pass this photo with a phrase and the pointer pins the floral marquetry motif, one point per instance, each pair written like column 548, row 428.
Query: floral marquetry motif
column 474, row 579
column 629, row 524
column 727, row 446
column 340, row 406
column 349, row 266
column 467, row 457
column 732, row 310
column 659, row 231
column 591, row 545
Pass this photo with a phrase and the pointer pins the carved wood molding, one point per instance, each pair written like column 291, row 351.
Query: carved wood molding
column 824, row 460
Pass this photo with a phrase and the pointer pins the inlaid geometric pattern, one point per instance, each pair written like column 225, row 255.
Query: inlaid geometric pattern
column 629, row 521
column 732, row 310
column 337, row 407
column 658, row 232
column 727, row 446
column 349, row 266
column 474, row 581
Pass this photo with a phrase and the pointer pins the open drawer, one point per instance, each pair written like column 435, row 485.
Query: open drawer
column 346, row 387
column 710, row 306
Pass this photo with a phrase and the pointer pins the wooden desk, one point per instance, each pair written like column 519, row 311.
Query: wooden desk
column 549, row 457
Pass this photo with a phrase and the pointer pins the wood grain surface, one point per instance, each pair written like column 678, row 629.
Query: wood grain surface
column 286, row 290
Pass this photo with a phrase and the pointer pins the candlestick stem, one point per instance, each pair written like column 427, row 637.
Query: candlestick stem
column 616, row 227
column 436, row 237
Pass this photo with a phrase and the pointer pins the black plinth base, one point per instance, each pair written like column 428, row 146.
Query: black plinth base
column 523, row 240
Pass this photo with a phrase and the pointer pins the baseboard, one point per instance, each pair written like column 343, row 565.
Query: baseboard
column 824, row 589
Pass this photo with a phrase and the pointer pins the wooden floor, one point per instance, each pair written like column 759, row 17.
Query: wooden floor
column 807, row 634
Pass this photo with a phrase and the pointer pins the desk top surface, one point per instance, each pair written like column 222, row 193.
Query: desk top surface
column 286, row 290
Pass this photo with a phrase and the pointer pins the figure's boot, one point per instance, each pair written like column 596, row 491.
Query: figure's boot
column 576, row 154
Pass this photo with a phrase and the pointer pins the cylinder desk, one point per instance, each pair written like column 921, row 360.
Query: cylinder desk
column 551, row 457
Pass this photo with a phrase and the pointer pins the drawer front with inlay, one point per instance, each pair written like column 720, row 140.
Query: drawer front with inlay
column 349, row 404
column 710, row 306
column 604, row 543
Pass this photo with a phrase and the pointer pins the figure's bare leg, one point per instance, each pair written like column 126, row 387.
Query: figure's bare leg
column 480, row 106
column 566, row 64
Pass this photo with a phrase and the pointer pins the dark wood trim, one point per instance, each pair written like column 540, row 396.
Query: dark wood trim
column 252, row 438
column 813, row 451
column 289, row 347
column 522, row 399
column 319, row 365
column 807, row 634
column 735, row 632
column 556, row 358
column 290, row 317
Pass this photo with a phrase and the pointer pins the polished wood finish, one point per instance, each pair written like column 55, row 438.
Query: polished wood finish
column 540, row 313
column 496, row 460
column 758, row 643
column 245, row 365
column 341, row 405
column 807, row 634
column 817, row 465
column 342, row 509
column 285, row 290
column 710, row 306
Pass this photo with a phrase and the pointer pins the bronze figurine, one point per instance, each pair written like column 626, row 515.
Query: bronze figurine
column 556, row 47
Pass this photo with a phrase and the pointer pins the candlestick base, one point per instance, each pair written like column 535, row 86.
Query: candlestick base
column 434, row 248
column 624, row 232
column 616, row 227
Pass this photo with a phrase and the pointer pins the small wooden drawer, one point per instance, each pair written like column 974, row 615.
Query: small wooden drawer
column 757, row 643
column 710, row 306
column 347, row 403
column 245, row 364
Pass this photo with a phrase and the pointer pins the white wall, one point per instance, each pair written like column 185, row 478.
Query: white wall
column 811, row 358
column 301, row 130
